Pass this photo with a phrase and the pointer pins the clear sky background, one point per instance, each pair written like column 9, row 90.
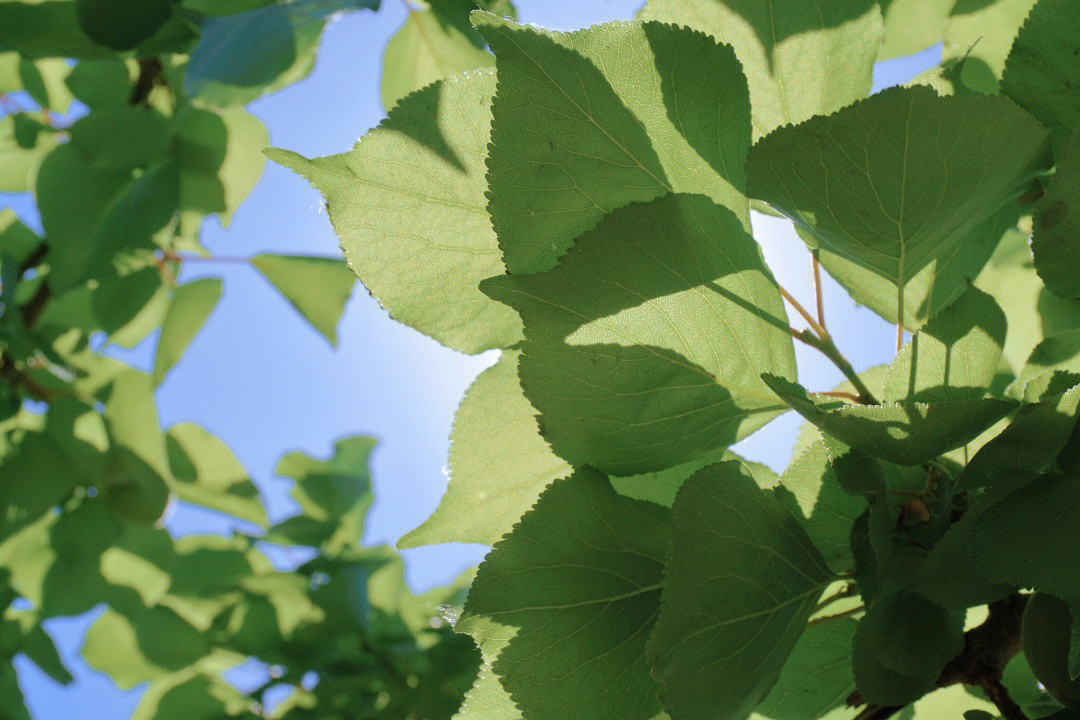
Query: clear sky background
column 263, row 381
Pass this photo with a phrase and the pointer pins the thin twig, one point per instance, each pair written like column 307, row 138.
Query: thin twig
column 817, row 293
column 829, row 350
column 841, row 394
column 802, row 311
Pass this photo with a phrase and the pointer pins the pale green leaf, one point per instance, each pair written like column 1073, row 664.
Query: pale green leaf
column 742, row 579
column 316, row 286
column 643, row 347
column 662, row 487
column 982, row 32
column 908, row 433
column 1055, row 241
column 499, row 464
column 801, row 57
column 206, row 473
column 564, row 604
column 191, row 695
column 954, row 357
column 587, row 122
column 189, row 310
column 894, row 181
column 1033, row 312
column 1058, row 353
column 150, row 644
column 1041, row 73
column 44, row 81
column 408, row 204
column 912, row 25
column 434, row 43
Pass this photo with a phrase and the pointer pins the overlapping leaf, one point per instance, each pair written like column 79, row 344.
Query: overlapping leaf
column 1055, row 241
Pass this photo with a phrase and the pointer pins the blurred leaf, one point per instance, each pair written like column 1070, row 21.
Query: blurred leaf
column 17, row 241
column 136, row 480
column 316, row 286
column 24, row 144
column 46, row 28
column 189, row 310
column 206, row 473
column 122, row 138
column 122, row 24
column 101, row 83
column 912, row 25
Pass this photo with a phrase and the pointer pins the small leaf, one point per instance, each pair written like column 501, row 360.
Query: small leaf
column 122, row 24
column 954, row 357
column 889, row 182
column 801, row 59
column 206, row 473
column 408, row 204
column 643, row 347
column 908, row 433
column 742, row 579
column 578, row 129
column 1042, row 74
column 564, row 603
column 1056, row 237
column 189, row 310
column 316, row 286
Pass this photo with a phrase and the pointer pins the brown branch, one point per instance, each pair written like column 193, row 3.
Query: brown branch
column 151, row 74
column 988, row 648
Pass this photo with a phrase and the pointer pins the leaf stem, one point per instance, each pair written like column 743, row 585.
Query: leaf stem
column 829, row 350
column 817, row 292
column 900, row 319
column 802, row 311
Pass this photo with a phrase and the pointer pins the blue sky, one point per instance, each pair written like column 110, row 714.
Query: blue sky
column 264, row 382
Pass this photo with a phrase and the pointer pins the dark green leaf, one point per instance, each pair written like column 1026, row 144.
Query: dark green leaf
column 122, row 24
column 1056, row 238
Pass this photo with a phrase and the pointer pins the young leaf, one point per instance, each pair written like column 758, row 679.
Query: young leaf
column 908, row 433
column 742, row 579
column 189, row 310
column 587, row 122
column 206, row 473
column 1055, row 241
column 316, row 286
column 408, row 204
column 954, row 357
column 566, row 601
column 643, row 347
column 433, row 43
column 800, row 58
column 499, row 464
column 891, row 182
column 1042, row 74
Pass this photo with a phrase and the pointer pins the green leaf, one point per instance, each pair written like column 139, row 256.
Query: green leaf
column 1056, row 238
column 44, row 81
column 1023, row 538
column 24, row 144
column 934, row 287
column 662, row 487
column 101, row 83
column 189, row 310
column 742, row 579
column 316, row 286
column 488, row 699
column 219, row 153
column 206, row 473
column 949, row 575
column 138, row 472
column 651, row 360
column 890, row 183
column 154, row 642
column 801, row 59
column 816, row 679
column 811, row 491
column 408, row 204
column 432, row 44
column 901, row 646
column 334, row 496
column 189, row 695
column 908, row 433
column 982, row 33
column 912, row 25
column 243, row 56
column 1011, row 278
column 499, row 464
column 12, row 704
column 123, row 138
column 954, row 357
column 587, row 122
column 1042, row 74
column 17, row 241
column 564, row 604
column 1058, row 353
column 122, row 24
column 1029, row 444
column 46, row 28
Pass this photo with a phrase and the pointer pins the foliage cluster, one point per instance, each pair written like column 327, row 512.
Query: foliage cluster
column 585, row 207
column 126, row 120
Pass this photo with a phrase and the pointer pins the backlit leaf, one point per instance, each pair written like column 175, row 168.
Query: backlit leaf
column 316, row 286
